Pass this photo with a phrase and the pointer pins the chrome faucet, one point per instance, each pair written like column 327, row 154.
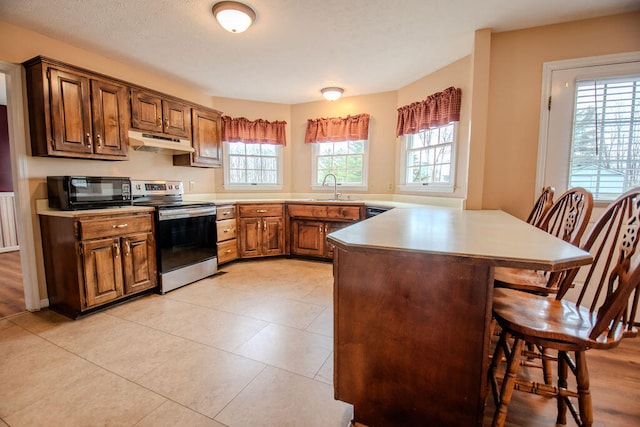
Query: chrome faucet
column 336, row 195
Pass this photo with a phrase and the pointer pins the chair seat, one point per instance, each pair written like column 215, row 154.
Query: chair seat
column 523, row 280
column 543, row 320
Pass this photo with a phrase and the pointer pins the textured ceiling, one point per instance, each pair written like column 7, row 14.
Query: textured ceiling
column 295, row 47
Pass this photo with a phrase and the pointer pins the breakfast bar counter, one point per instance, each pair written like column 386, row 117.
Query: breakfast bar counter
column 412, row 308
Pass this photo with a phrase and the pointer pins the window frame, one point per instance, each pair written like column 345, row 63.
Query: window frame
column 546, row 95
column 364, row 186
column 431, row 187
column 228, row 185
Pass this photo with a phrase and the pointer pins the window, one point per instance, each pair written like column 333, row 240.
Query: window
column 428, row 159
column 347, row 160
column 590, row 125
column 252, row 165
column 605, row 143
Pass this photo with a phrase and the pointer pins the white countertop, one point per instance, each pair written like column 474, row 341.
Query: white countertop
column 42, row 208
column 490, row 235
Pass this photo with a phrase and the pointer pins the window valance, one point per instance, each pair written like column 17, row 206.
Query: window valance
column 350, row 128
column 437, row 110
column 253, row 131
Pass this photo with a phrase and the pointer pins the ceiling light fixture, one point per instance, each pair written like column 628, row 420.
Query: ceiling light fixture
column 233, row 16
column 332, row 93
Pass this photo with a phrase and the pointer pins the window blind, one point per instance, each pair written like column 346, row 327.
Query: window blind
column 605, row 154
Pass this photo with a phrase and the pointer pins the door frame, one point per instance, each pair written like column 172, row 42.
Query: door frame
column 547, row 70
column 20, row 175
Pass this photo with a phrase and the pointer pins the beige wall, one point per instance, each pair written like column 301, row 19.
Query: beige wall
column 254, row 110
column 507, row 126
column 457, row 74
column 381, row 108
column 514, row 97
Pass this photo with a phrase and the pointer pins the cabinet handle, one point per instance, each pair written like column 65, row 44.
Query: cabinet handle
column 88, row 139
column 166, row 123
column 117, row 246
column 320, row 229
column 159, row 121
column 264, row 225
column 226, row 213
column 99, row 139
column 261, row 210
column 228, row 251
column 120, row 226
column 127, row 246
column 226, row 230
column 325, row 229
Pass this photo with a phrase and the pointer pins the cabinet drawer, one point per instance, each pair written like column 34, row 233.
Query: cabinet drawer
column 227, row 251
column 343, row 212
column 226, row 229
column 249, row 211
column 325, row 212
column 116, row 226
column 225, row 212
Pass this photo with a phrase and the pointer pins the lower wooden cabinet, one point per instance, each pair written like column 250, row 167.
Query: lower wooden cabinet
column 309, row 238
column 92, row 260
column 261, row 230
column 309, row 225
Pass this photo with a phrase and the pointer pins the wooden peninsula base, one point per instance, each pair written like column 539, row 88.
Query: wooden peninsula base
column 412, row 307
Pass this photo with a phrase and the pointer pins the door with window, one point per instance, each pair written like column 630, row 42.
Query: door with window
column 593, row 133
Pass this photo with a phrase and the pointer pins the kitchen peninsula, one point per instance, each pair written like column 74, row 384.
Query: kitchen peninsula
column 412, row 308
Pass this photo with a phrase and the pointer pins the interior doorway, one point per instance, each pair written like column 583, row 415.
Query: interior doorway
column 11, row 284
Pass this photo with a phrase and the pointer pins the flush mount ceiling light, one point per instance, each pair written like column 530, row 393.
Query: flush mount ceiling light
column 332, row 93
column 233, row 16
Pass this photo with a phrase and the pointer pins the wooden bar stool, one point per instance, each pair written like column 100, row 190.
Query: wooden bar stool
column 601, row 317
column 566, row 219
column 541, row 207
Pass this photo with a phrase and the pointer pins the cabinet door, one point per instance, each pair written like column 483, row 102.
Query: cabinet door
column 146, row 111
column 250, row 235
column 272, row 236
column 207, row 138
column 102, row 271
column 110, row 117
column 139, row 262
column 330, row 227
column 177, row 119
column 70, row 112
column 307, row 237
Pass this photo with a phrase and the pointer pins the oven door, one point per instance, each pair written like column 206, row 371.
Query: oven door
column 186, row 236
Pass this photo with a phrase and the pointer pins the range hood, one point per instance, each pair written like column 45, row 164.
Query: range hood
column 141, row 141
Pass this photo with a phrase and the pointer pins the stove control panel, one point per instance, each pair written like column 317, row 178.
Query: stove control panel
column 157, row 188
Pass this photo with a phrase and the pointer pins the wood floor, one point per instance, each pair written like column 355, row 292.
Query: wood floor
column 615, row 391
column 11, row 289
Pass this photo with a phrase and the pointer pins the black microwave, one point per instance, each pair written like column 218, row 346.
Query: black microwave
column 88, row 192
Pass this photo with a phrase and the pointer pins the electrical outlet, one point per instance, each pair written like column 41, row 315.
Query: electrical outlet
column 192, row 185
column 390, row 186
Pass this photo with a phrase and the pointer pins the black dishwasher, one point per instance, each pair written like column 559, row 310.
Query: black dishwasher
column 375, row 210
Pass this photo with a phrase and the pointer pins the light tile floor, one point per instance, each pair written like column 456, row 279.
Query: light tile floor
column 251, row 346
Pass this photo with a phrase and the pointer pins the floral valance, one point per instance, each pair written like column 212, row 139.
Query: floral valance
column 253, row 131
column 437, row 110
column 350, row 128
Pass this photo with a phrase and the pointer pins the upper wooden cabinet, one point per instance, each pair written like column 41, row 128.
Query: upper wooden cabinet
column 152, row 112
column 207, row 140
column 75, row 113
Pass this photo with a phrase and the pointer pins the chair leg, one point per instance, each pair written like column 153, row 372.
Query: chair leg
column 513, row 363
column 546, row 366
column 584, row 394
column 562, row 385
column 498, row 352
